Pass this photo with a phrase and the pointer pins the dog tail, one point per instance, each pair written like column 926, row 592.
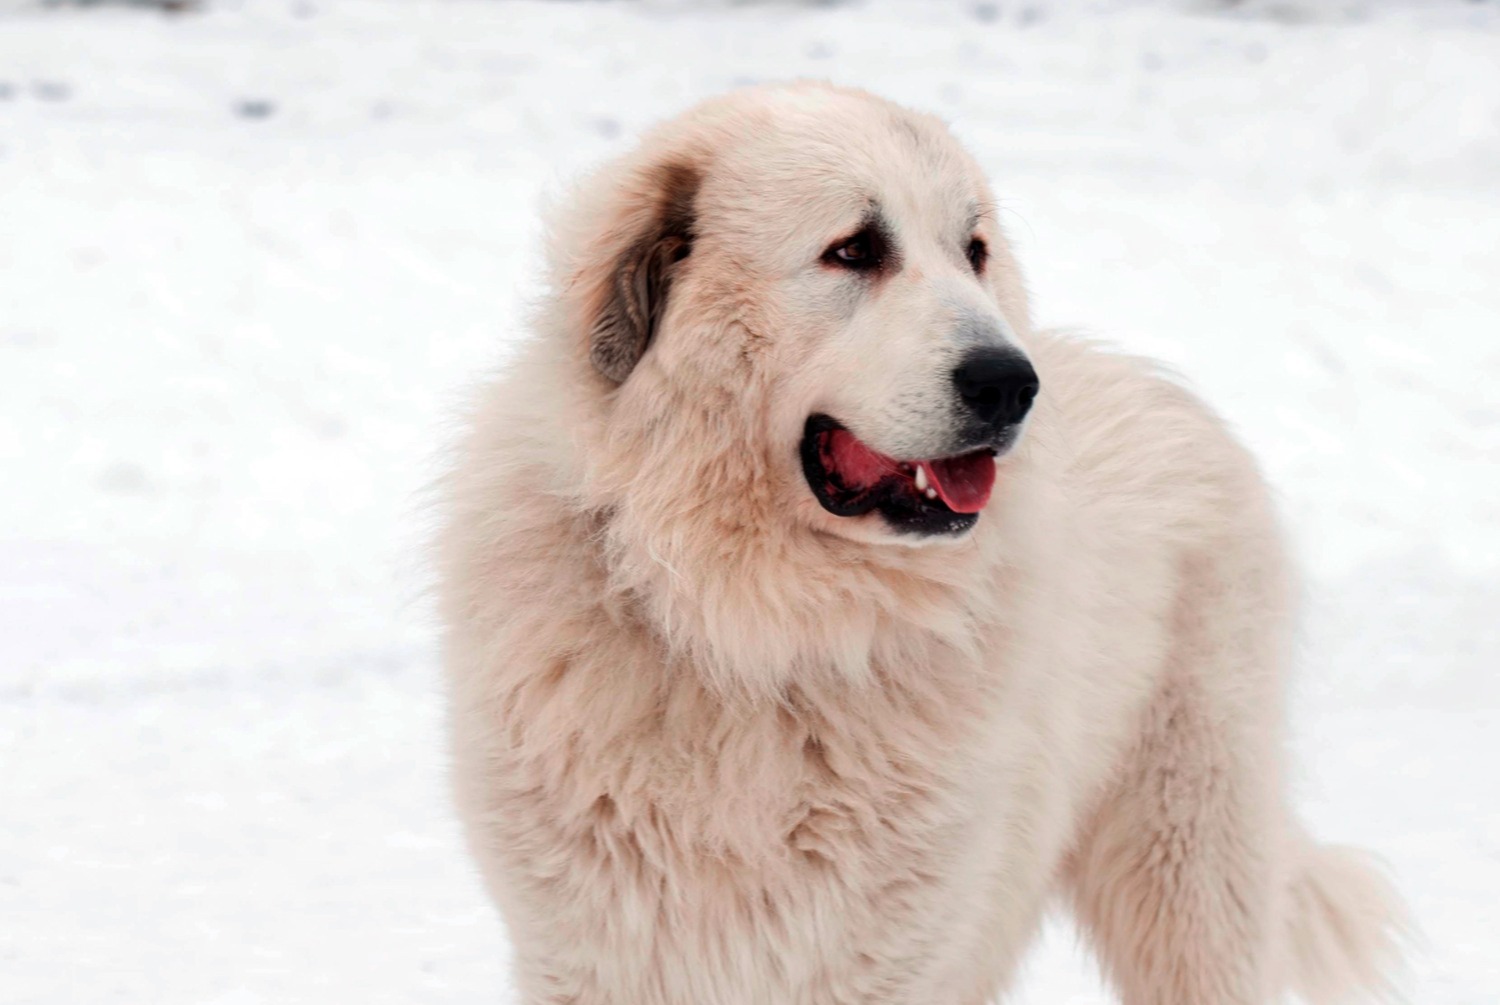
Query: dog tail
column 1346, row 928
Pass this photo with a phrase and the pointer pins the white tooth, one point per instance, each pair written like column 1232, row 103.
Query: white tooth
column 922, row 479
column 932, row 493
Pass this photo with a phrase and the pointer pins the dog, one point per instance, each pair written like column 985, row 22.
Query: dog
column 813, row 622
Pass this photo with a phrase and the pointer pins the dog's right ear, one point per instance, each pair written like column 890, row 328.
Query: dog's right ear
column 627, row 274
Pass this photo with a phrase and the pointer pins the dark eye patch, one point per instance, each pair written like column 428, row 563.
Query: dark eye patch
column 869, row 249
column 863, row 251
column 978, row 253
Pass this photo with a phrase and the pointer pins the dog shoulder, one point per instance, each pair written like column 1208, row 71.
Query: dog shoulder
column 1126, row 436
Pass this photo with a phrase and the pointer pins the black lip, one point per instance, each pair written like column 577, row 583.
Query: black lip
column 903, row 510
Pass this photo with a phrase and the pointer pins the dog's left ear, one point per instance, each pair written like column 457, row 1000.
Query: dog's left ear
column 629, row 273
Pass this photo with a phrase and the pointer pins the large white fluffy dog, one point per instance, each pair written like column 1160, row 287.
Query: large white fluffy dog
column 813, row 620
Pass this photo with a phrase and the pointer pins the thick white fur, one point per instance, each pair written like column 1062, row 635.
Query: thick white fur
column 715, row 746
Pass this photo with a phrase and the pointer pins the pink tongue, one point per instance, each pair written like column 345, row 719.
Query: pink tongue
column 858, row 465
column 964, row 483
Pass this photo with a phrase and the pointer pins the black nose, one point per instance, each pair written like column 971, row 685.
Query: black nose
column 998, row 385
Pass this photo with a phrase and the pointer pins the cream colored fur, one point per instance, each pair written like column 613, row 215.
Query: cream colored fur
column 714, row 745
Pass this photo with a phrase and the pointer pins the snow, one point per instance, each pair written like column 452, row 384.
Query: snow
column 250, row 259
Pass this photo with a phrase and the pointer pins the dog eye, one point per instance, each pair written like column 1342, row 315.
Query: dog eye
column 978, row 254
column 858, row 253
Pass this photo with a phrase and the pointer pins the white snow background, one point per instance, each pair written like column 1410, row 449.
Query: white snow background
column 251, row 256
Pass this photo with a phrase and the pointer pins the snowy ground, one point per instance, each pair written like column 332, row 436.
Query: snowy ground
column 248, row 258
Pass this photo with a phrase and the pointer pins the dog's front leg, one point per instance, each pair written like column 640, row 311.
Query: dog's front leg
column 1179, row 876
column 1174, row 881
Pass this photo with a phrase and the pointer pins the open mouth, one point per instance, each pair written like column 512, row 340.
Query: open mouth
column 941, row 495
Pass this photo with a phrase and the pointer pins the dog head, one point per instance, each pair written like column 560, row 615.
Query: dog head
column 798, row 299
